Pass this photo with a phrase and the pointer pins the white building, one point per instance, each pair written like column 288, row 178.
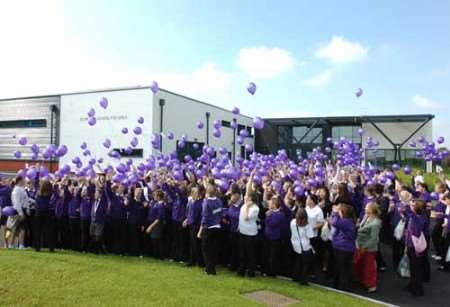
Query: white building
column 163, row 112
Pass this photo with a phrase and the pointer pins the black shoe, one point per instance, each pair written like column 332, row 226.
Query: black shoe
column 251, row 274
column 188, row 264
column 241, row 273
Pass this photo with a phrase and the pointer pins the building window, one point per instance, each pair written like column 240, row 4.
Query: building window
column 283, row 134
column 314, row 136
column 134, row 153
column 349, row 132
column 26, row 123
column 226, row 123
column 250, row 131
column 189, row 149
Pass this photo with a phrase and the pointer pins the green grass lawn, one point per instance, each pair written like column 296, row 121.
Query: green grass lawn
column 72, row 279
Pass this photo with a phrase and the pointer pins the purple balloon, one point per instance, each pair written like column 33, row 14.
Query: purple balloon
column 360, row 131
column 240, row 140
column 233, row 124
column 181, row 144
column 359, row 92
column 407, row 170
column 440, row 140
column 217, row 133
column 243, row 133
column 258, row 123
column 154, row 87
column 124, row 130
column 299, row 190
column 236, row 111
column 86, row 153
column 23, row 141
column 92, row 121
column 31, row 173
column 61, row 151
column 140, row 120
column 200, row 125
column 17, row 154
column 100, row 161
column 395, row 167
column 170, row 136
column 107, row 143
column 9, row 211
column 195, row 146
column 248, row 147
column 251, row 88
column 91, row 112
column 137, row 130
column 34, row 148
column 134, row 142
column 83, row 145
column 217, row 124
column 104, row 103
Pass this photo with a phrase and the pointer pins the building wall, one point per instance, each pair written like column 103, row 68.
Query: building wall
column 180, row 116
column 398, row 132
column 125, row 107
column 26, row 109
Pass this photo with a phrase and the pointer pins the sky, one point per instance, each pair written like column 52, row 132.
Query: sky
column 307, row 58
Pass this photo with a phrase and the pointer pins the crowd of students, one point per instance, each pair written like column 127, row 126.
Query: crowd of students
column 299, row 229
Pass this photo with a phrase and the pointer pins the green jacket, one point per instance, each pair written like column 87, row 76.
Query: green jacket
column 368, row 234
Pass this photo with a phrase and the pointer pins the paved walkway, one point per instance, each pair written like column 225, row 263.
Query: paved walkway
column 390, row 287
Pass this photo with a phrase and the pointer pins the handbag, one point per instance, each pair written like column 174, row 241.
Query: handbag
column 403, row 267
column 399, row 230
column 420, row 243
column 325, row 232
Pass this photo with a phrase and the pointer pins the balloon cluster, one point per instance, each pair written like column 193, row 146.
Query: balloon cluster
column 429, row 151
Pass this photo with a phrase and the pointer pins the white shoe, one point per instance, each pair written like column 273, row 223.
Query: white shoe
column 438, row 258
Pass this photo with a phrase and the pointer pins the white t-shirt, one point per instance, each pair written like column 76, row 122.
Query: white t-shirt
column 300, row 236
column 19, row 199
column 315, row 215
column 249, row 227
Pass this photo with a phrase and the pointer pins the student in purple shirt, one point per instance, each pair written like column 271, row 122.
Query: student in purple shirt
column 136, row 208
column 437, row 215
column 192, row 222
column 117, row 214
column 179, row 233
column 343, row 242
column 74, row 216
column 44, row 216
column 85, row 219
column 417, row 225
column 155, row 221
column 210, row 229
column 232, row 217
column 274, row 223
column 98, row 219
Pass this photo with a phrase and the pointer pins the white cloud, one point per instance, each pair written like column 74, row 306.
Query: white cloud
column 265, row 62
column 320, row 79
column 423, row 102
column 339, row 51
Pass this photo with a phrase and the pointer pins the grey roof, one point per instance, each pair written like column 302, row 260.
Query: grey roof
column 138, row 87
column 336, row 120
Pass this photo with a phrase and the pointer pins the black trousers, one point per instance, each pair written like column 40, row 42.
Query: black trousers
column 62, row 233
column 436, row 237
column 85, row 237
column 134, row 239
column 234, row 250
column 446, row 245
column 117, row 235
column 271, row 257
column 247, row 256
column 398, row 248
column 178, row 249
column 74, row 229
column 343, row 269
column 44, row 230
column 318, row 246
column 195, row 249
column 302, row 267
column 210, row 248
column 417, row 271
column 157, row 248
